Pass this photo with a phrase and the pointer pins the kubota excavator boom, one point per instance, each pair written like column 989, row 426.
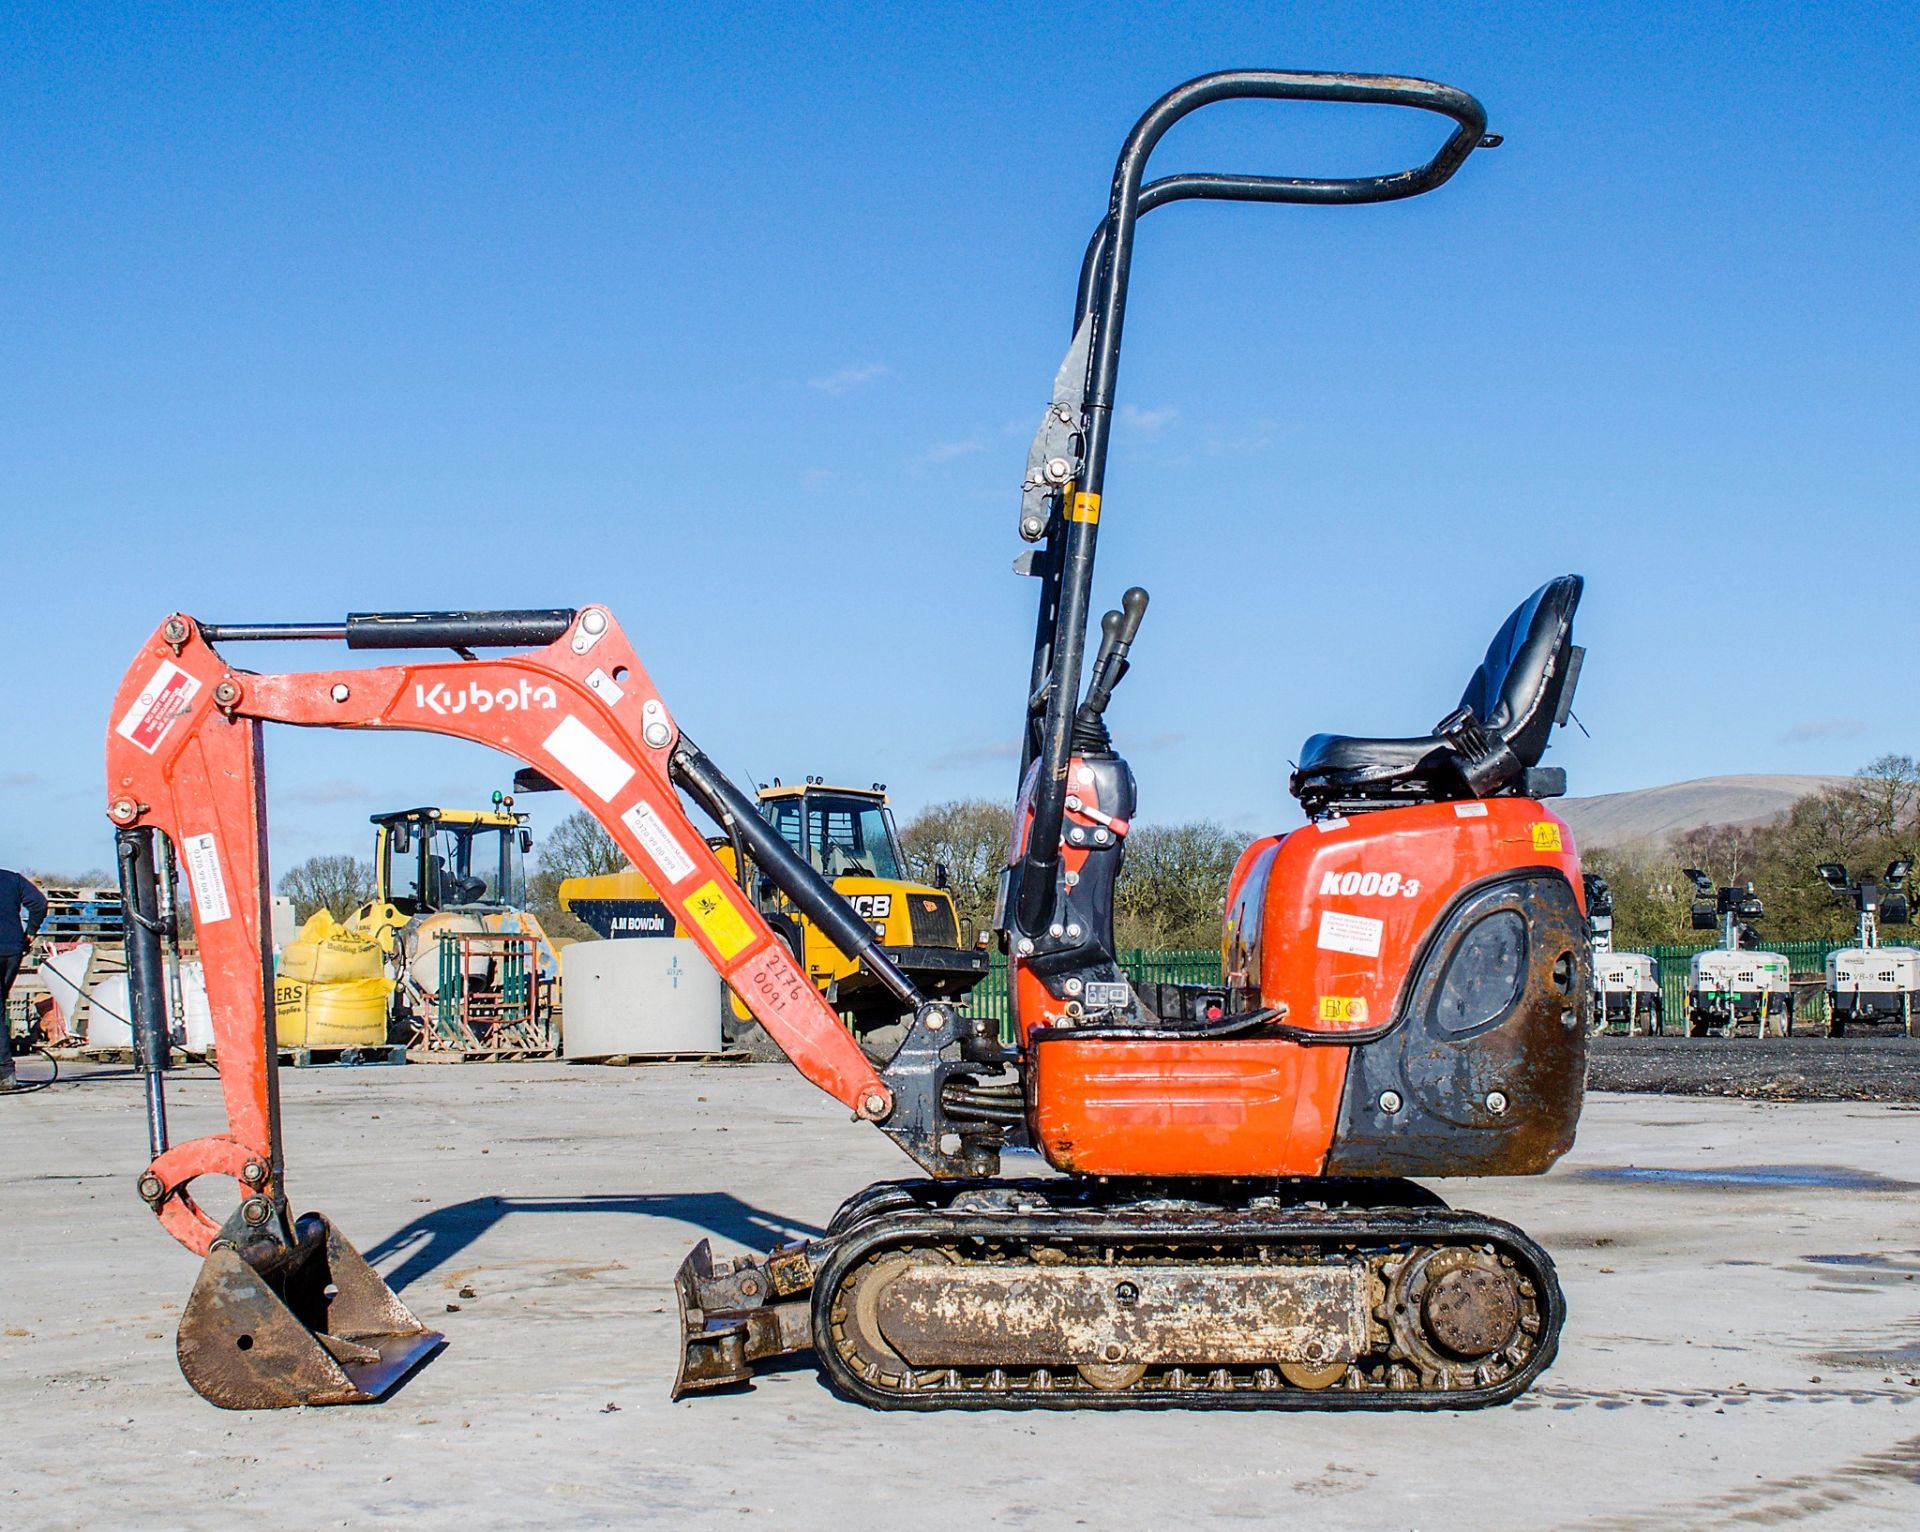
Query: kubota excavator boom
column 285, row 1312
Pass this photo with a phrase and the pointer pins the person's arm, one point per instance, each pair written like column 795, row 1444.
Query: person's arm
column 35, row 904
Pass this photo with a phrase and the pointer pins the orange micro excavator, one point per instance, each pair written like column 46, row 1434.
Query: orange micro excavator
column 1405, row 993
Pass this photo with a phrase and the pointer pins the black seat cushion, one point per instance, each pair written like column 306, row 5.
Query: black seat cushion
column 1500, row 729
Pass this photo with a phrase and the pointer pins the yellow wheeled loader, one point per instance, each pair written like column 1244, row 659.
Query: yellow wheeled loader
column 474, row 971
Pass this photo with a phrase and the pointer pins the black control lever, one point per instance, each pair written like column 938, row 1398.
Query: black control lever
column 1117, row 632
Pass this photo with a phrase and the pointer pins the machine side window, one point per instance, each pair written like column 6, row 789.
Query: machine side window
column 784, row 815
column 455, row 876
column 403, row 870
column 851, row 837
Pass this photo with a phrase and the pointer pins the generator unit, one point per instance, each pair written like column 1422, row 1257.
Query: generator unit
column 1869, row 983
column 1734, row 982
column 1626, row 985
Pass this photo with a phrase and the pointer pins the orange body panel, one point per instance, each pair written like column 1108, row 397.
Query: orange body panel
column 1229, row 1107
column 1328, row 921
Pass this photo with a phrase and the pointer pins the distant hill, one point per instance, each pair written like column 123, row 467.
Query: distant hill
column 1651, row 815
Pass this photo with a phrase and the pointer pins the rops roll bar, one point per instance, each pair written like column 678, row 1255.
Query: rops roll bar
column 1074, row 487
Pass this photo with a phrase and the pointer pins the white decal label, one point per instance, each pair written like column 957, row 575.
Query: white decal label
column 658, row 842
column 588, row 757
column 1324, row 825
column 1469, row 811
column 209, row 886
column 604, row 686
column 1358, row 934
column 162, row 700
column 872, row 906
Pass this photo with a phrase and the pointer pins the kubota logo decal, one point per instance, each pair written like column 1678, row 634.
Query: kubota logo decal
column 1383, row 885
column 482, row 699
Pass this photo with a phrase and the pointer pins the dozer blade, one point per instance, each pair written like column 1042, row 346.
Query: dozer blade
column 729, row 1319
column 311, row 1324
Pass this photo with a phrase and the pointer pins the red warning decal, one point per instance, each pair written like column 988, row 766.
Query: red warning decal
column 162, row 700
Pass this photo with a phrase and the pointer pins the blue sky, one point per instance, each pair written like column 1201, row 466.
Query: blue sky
column 738, row 319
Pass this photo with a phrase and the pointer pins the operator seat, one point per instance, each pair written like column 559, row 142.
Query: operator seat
column 1490, row 744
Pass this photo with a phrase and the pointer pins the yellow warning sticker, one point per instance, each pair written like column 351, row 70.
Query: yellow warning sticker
column 1546, row 836
column 1084, row 507
column 714, row 913
column 1343, row 1008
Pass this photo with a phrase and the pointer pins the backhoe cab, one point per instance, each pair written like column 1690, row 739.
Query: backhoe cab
column 432, row 859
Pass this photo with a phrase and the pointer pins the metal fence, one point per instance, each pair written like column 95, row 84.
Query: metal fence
column 1198, row 965
column 1805, row 960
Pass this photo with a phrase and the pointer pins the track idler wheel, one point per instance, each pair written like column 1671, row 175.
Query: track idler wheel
column 270, row 1325
column 1456, row 1309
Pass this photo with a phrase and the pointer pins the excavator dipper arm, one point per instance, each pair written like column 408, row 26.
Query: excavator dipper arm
column 184, row 758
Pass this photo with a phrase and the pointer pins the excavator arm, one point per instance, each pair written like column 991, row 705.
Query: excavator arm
column 184, row 758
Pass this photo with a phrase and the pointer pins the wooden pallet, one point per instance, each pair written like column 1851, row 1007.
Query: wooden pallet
column 323, row 1058
column 79, row 1054
column 418, row 1055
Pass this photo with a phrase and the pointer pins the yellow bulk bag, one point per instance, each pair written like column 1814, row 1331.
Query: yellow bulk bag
column 326, row 951
column 348, row 1013
column 289, row 1010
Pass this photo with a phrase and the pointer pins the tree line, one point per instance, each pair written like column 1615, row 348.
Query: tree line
column 1172, row 884
column 1174, row 877
column 1865, row 822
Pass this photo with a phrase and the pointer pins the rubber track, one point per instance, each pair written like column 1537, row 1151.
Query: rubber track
column 1380, row 1229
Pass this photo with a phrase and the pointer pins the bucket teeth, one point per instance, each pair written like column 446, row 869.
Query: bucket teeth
column 308, row 1324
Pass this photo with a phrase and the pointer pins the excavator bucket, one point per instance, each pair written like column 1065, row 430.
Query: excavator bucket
column 310, row 1323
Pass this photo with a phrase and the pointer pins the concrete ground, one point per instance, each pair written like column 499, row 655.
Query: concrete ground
column 1744, row 1342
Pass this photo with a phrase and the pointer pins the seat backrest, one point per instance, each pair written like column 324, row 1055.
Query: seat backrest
column 1517, row 691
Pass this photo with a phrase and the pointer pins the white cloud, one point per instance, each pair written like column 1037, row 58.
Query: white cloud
column 1146, row 422
column 976, row 755
column 946, row 452
column 847, row 378
column 1809, row 730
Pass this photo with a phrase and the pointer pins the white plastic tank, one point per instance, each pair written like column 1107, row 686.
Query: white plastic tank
column 638, row 999
column 110, row 1013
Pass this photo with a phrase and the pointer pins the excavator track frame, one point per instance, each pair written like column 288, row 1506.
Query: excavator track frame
column 1386, row 1241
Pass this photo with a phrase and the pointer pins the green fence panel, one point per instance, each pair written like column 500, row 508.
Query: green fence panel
column 1201, row 965
column 1196, row 965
